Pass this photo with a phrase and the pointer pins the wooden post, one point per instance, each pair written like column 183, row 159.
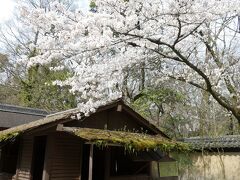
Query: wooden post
column 81, row 157
column 90, row 170
column 19, row 157
column 48, row 156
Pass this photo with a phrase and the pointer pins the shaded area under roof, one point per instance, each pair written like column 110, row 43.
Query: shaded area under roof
column 228, row 141
column 130, row 140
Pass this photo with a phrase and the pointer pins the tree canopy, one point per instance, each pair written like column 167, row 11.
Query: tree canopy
column 194, row 41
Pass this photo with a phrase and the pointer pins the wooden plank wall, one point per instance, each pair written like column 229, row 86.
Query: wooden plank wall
column 25, row 159
column 66, row 158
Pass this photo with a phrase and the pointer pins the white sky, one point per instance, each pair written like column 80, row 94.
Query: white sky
column 83, row 4
column 6, row 10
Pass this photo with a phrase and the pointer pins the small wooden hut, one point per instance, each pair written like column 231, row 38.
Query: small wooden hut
column 114, row 143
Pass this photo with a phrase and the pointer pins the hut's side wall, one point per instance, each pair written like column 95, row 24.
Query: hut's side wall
column 66, row 158
column 25, row 159
column 220, row 166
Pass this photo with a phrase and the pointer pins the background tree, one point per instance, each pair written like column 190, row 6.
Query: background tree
column 31, row 86
column 8, row 88
column 159, row 105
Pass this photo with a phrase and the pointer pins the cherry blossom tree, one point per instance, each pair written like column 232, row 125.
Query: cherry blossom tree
column 194, row 41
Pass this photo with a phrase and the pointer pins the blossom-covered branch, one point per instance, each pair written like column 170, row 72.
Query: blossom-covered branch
column 194, row 40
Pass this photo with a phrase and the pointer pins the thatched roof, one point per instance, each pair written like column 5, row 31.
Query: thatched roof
column 16, row 131
column 130, row 140
column 65, row 116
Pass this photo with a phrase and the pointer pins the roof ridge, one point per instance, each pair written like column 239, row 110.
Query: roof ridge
column 226, row 141
column 212, row 137
column 22, row 110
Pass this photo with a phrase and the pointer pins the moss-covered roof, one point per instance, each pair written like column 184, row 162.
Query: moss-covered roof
column 130, row 140
column 65, row 115
column 18, row 130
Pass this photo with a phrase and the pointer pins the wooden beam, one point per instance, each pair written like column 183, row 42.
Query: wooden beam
column 107, row 144
column 90, row 170
column 59, row 127
column 40, row 128
column 119, row 108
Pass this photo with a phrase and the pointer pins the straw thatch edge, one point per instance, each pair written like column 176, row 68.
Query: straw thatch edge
column 130, row 140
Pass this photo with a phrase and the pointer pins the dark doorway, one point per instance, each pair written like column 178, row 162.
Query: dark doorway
column 85, row 162
column 122, row 164
column 38, row 157
column 9, row 156
column 98, row 163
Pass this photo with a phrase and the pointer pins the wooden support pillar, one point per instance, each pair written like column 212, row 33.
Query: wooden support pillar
column 81, row 159
column 19, row 157
column 90, row 170
column 48, row 157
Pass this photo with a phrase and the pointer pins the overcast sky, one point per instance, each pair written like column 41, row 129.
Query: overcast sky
column 7, row 8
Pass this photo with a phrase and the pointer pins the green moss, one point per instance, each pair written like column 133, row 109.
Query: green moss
column 8, row 136
column 131, row 141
